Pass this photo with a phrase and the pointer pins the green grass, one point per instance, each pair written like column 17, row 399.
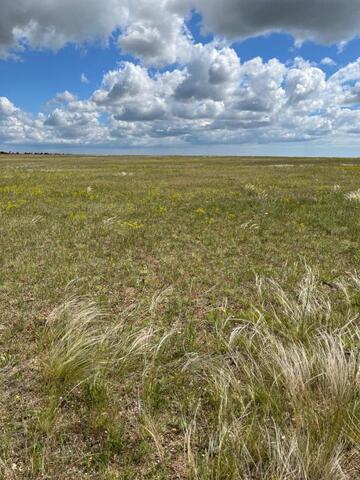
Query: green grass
column 190, row 318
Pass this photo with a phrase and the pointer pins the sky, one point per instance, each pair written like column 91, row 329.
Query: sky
column 207, row 77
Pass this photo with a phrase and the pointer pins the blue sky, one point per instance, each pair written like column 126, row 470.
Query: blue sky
column 181, row 80
column 39, row 75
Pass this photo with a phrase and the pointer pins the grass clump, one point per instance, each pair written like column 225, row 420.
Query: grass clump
column 353, row 196
column 83, row 350
column 75, row 338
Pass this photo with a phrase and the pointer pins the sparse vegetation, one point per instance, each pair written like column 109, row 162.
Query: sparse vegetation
column 192, row 319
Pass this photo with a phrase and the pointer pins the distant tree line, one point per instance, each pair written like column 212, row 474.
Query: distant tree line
column 29, row 153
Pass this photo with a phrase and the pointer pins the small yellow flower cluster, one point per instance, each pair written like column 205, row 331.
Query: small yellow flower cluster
column 78, row 216
column 200, row 211
column 135, row 225
column 12, row 205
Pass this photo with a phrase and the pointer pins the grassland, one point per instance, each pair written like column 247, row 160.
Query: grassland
column 178, row 318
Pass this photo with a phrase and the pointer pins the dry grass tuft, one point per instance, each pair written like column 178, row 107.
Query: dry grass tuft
column 75, row 335
column 353, row 196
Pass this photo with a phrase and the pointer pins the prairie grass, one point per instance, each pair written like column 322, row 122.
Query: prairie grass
column 82, row 349
column 193, row 319
column 276, row 396
column 285, row 406
column 75, row 342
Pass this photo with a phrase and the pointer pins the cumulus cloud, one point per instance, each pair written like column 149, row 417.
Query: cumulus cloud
column 131, row 93
column 65, row 97
column 327, row 22
column 7, row 109
column 16, row 125
column 213, row 98
column 261, row 87
column 211, row 73
column 53, row 23
column 155, row 30
column 208, row 96
column 328, row 62
column 304, row 84
column 73, row 126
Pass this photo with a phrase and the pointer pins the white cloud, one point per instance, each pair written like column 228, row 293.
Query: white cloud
column 348, row 73
column 211, row 73
column 15, row 124
column 261, row 88
column 208, row 96
column 7, row 109
column 72, row 126
column 304, row 84
column 155, row 30
column 214, row 98
column 327, row 61
column 64, row 97
column 52, row 24
column 84, row 79
column 330, row 21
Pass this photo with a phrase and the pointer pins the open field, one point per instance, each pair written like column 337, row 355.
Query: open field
column 178, row 318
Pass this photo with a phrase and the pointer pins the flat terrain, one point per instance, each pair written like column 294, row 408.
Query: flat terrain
column 179, row 318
